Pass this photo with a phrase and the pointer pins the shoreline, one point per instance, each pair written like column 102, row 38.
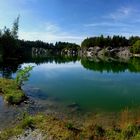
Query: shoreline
column 90, row 127
column 51, row 127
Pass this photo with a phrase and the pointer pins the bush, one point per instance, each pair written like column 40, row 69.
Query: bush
column 136, row 47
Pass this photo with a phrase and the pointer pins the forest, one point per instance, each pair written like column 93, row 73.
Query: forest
column 111, row 41
column 12, row 47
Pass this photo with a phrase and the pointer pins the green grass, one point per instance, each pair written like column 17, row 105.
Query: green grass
column 11, row 92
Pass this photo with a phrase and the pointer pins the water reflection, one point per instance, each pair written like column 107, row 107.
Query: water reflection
column 92, row 83
column 8, row 67
column 111, row 65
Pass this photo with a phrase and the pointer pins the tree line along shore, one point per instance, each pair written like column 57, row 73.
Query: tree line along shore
column 12, row 47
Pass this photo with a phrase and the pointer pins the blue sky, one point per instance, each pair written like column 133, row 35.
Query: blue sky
column 71, row 20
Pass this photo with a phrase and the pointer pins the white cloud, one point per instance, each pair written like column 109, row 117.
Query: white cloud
column 55, row 66
column 50, row 32
column 50, row 37
column 123, row 21
column 107, row 24
column 122, row 13
column 51, row 28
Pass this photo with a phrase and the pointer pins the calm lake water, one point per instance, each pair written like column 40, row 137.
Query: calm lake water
column 100, row 86
column 86, row 84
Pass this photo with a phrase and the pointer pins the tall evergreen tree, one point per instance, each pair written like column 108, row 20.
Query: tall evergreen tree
column 15, row 28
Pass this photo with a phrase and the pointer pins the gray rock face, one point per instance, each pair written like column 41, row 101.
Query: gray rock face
column 124, row 53
column 121, row 52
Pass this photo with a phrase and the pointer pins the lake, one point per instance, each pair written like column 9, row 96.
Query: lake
column 82, row 84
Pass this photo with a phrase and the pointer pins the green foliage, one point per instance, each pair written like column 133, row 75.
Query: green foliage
column 14, row 98
column 60, row 46
column 8, row 40
column 10, row 91
column 133, row 39
column 136, row 47
column 115, row 41
column 20, row 49
column 23, row 75
column 27, row 122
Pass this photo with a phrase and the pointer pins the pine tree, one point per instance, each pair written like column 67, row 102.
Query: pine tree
column 15, row 28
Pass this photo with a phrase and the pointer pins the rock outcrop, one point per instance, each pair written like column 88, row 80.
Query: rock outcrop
column 121, row 52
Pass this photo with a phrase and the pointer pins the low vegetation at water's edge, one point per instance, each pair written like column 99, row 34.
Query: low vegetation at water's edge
column 11, row 88
column 10, row 91
column 54, row 128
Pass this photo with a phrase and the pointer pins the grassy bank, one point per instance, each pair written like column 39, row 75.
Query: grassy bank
column 11, row 92
column 58, row 129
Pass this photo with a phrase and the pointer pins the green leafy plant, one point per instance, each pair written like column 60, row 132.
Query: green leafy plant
column 23, row 75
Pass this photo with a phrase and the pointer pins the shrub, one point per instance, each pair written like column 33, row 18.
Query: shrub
column 136, row 47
